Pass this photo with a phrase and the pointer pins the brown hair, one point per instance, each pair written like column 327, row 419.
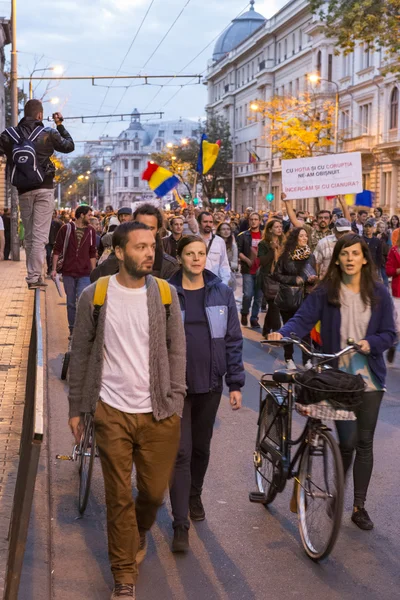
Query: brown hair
column 186, row 240
column 33, row 108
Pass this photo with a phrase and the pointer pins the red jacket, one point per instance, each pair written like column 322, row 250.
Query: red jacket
column 77, row 260
column 392, row 264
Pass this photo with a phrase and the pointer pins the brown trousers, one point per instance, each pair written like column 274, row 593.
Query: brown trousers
column 124, row 439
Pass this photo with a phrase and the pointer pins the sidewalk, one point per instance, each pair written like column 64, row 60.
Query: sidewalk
column 16, row 307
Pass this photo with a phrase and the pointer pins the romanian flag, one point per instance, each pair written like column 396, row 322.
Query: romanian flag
column 179, row 200
column 316, row 334
column 160, row 180
column 208, row 155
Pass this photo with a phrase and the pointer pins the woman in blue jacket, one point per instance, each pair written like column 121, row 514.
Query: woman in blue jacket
column 214, row 349
column 351, row 304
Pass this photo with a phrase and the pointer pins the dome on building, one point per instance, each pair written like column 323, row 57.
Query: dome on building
column 240, row 29
column 135, row 130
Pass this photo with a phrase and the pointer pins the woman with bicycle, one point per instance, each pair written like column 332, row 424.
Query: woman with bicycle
column 350, row 303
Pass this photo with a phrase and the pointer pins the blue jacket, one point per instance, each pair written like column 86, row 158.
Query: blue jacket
column 381, row 331
column 225, row 332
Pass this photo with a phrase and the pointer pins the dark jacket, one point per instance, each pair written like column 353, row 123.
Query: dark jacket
column 110, row 266
column 225, row 331
column 170, row 245
column 375, row 247
column 244, row 241
column 48, row 142
column 55, row 227
column 381, row 332
column 287, row 271
column 266, row 254
column 77, row 260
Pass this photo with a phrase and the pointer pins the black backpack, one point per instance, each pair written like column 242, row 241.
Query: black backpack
column 26, row 172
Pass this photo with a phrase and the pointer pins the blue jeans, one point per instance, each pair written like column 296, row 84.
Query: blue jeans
column 251, row 292
column 73, row 287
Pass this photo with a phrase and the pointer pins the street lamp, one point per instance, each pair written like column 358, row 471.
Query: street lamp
column 57, row 70
column 184, row 142
column 54, row 100
column 254, row 106
column 315, row 78
column 170, row 145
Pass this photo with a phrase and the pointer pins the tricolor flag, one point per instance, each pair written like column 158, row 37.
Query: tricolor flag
column 208, row 154
column 159, row 179
column 316, row 334
column 253, row 157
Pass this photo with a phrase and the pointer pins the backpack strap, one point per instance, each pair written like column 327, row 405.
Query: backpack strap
column 35, row 133
column 100, row 293
column 14, row 135
column 165, row 294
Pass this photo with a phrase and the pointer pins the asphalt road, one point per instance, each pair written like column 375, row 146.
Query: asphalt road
column 242, row 551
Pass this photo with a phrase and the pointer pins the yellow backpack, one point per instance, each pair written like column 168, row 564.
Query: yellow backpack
column 100, row 294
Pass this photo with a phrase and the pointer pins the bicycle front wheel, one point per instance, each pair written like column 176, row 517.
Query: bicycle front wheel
column 88, row 451
column 320, row 494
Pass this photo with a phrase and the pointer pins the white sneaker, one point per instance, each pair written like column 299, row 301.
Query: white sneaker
column 290, row 365
column 308, row 365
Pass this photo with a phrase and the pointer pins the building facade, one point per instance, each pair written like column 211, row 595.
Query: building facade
column 258, row 58
column 132, row 149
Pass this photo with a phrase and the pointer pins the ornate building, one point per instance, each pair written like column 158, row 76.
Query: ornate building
column 258, row 58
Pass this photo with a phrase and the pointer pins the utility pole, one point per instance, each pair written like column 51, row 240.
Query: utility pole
column 14, row 122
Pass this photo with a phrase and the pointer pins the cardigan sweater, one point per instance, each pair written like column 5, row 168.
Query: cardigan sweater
column 167, row 355
column 381, row 331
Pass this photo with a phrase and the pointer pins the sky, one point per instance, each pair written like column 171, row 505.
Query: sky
column 92, row 37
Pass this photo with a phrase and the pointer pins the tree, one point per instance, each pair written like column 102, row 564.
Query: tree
column 183, row 159
column 373, row 22
column 297, row 127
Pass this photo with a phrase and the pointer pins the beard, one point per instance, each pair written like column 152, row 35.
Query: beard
column 134, row 269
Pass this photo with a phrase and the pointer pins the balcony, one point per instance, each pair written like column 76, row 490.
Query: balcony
column 362, row 143
column 390, row 139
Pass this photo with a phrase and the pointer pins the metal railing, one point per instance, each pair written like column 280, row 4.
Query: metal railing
column 31, row 441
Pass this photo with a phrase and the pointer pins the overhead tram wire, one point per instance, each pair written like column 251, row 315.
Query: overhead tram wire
column 128, row 51
column 191, row 61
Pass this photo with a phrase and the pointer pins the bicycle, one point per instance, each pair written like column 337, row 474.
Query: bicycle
column 85, row 452
column 317, row 464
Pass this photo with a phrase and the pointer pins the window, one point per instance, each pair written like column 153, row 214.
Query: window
column 279, row 52
column 290, row 88
column 330, row 66
column 243, row 76
column 161, row 133
column 126, row 182
column 240, row 117
column 394, row 109
column 125, row 146
column 297, row 88
column 245, row 115
column 285, row 49
column 387, row 188
column 366, row 181
column 136, row 182
column 136, row 146
column 319, row 63
column 283, row 90
column 365, row 118
column 300, row 39
column 248, row 73
column 366, row 56
column 136, row 164
column 252, row 69
column 158, row 146
column 294, row 43
column 236, row 117
column 345, row 122
column 346, row 65
column 126, row 164
column 195, row 132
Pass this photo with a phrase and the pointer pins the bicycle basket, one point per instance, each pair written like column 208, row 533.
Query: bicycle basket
column 325, row 411
column 341, row 389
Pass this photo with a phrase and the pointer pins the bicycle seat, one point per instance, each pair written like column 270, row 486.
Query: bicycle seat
column 284, row 376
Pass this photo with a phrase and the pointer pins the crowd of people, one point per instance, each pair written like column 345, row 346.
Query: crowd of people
column 150, row 362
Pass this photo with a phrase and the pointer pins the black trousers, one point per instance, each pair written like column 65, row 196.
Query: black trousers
column 197, row 424
column 289, row 348
column 359, row 436
column 272, row 318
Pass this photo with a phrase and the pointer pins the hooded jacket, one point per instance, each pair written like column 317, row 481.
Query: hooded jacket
column 77, row 260
column 225, row 332
column 49, row 141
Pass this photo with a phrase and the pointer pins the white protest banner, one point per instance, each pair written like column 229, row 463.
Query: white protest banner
column 327, row 175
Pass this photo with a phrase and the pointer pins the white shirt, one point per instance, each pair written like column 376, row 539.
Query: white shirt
column 125, row 382
column 217, row 258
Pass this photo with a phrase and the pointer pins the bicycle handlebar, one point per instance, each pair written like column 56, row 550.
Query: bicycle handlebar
column 352, row 346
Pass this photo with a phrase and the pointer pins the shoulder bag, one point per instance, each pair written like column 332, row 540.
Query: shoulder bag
column 60, row 260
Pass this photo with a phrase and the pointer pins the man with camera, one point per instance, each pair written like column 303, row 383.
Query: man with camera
column 28, row 148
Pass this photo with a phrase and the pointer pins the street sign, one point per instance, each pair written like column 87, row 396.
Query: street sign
column 217, row 200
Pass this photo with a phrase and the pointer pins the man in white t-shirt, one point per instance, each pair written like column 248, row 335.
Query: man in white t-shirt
column 2, row 239
column 138, row 346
